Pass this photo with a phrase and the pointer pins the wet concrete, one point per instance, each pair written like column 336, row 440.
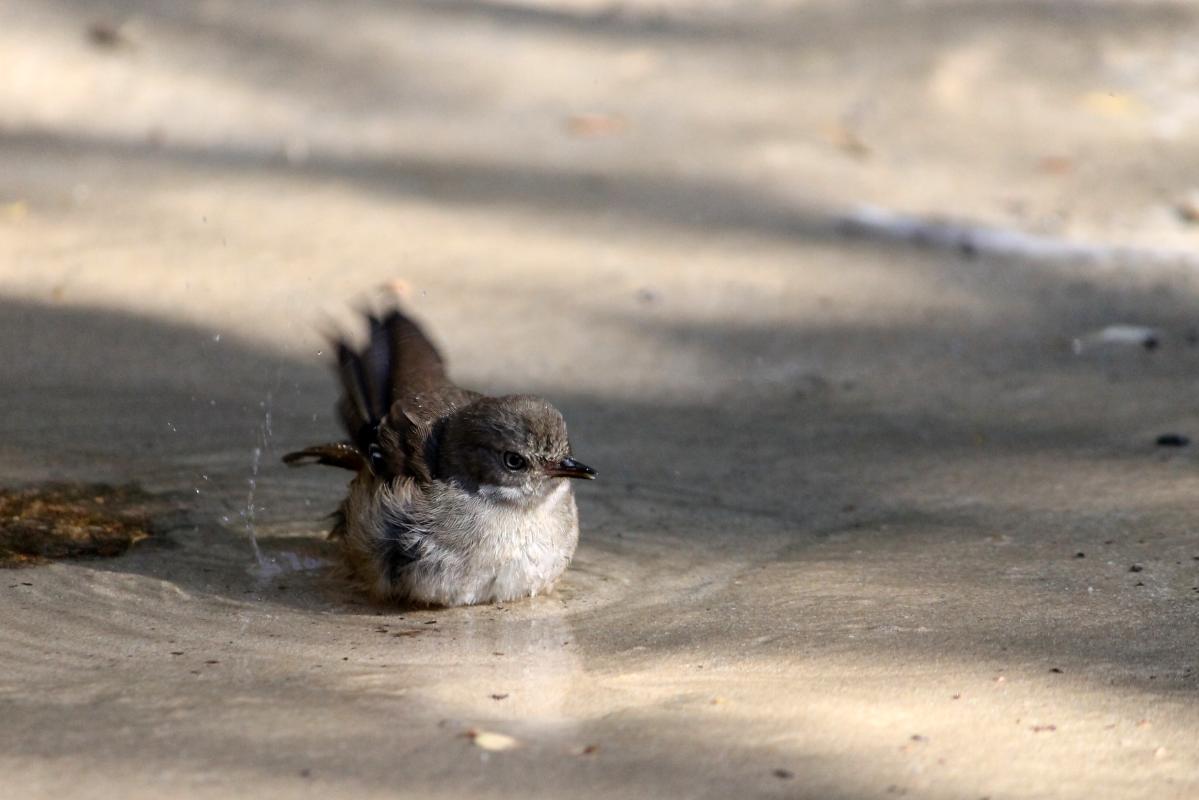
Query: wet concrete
column 871, row 523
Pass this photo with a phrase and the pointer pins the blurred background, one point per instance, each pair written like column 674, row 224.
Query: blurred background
column 870, row 315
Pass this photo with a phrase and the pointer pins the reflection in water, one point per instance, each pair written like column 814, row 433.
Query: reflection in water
column 527, row 665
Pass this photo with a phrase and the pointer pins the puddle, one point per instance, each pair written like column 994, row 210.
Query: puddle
column 71, row 520
column 272, row 565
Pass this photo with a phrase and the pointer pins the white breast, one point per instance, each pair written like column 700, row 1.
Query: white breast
column 484, row 548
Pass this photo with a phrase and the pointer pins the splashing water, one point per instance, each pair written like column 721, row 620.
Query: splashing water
column 264, row 441
column 248, row 513
column 266, row 419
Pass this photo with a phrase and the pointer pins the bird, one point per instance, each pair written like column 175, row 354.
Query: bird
column 458, row 498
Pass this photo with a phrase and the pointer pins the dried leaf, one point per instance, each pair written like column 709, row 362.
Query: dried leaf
column 71, row 520
column 15, row 211
column 1056, row 165
column 491, row 741
column 593, row 125
column 1112, row 104
column 848, row 141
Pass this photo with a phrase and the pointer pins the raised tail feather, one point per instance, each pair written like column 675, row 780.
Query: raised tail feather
column 398, row 361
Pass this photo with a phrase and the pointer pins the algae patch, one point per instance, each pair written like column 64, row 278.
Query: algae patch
column 71, row 520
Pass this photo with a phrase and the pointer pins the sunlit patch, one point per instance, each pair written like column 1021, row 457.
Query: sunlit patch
column 71, row 520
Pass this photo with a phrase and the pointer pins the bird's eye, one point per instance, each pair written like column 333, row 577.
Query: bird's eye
column 514, row 461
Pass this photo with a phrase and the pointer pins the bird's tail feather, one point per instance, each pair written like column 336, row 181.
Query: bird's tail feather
column 396, row 361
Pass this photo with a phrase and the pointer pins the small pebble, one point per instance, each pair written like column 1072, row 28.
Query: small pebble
column 1172, row 440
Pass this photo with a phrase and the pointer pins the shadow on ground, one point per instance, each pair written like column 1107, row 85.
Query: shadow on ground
column 770, row 521
column 750, row 472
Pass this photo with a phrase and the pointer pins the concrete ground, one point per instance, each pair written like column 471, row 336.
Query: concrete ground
column 820, row 287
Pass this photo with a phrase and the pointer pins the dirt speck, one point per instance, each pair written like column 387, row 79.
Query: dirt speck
column 107, row 35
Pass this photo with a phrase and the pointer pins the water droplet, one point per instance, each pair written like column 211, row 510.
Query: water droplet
column 248, row 513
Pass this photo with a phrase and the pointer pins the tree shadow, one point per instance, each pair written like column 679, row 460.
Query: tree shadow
column 771, row 451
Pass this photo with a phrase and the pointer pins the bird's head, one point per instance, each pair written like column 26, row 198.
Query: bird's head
column 513, row 449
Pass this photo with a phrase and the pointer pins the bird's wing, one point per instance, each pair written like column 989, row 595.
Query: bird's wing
column 394, row 391
column 339, row 454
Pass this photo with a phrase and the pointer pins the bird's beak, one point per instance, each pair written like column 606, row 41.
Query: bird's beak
column 569, row 468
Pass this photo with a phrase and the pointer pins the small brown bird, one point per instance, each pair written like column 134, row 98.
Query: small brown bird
column 458, row 498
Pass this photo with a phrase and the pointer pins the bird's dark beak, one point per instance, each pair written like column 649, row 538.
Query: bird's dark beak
column 569, row 468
